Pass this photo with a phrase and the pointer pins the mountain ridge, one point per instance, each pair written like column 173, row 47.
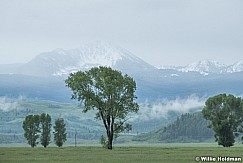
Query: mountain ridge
column 61, row 62
column 206, row 67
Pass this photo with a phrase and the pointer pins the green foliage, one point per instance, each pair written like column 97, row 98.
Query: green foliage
column 110, row 93
column 186, row 128
column 226, row 114
column 31, row 129
column 45, row 121
column 103, row 141
column 60, row 135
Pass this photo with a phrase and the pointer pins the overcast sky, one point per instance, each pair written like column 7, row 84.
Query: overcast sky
column 161, row 32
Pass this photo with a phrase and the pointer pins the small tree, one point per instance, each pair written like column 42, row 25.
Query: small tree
column 103, row 141
column 60, row 135
column 45, row 120
column 31, row 129
column 110, row 93
column 226, row 114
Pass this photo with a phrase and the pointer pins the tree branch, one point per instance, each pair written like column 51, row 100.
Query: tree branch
column 122, row 123
column 102, row 116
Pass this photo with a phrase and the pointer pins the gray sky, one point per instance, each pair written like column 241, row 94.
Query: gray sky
column 161, row 32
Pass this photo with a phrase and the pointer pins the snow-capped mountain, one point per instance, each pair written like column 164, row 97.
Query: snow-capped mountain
column 236, row 67
column 63, row 62
column 205, row 67
column 40, row 78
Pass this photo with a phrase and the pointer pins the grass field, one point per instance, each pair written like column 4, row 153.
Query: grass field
column 180, row 154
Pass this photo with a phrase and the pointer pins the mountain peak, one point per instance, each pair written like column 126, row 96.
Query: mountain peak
column 100, row 54
column 59, row 51
column 61, row 62
column 211, row 62
column 204, row 67
column 206, row 64
column 105, row 53
column 236, row 67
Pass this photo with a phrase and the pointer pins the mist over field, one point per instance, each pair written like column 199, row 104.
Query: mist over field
column 8, row 104
column 162, row 107
column 156, row 110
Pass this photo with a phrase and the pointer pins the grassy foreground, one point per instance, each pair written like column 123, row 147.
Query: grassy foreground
column 119, row 154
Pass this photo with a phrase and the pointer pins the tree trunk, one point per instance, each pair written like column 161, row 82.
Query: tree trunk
column 110, row 139
column 109, row 144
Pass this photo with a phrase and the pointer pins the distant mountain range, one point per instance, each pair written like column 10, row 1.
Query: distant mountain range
column 43, row 77
column 206, row 67
column 62, row 62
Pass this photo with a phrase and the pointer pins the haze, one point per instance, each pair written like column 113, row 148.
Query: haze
column 161, row 32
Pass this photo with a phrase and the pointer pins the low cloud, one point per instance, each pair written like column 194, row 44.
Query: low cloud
column 8, row 104
column 161, row 108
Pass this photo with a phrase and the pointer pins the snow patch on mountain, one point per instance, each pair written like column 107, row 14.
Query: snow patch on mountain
column 236, row 67
column 99, row 53
column 174, row 75
column 204, row 67
column 95, row 54
column 168, row 67
column 62, row 62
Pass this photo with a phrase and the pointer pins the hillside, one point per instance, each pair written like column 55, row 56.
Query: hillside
column 11, row 120
column 189, row 127
column 12, row 114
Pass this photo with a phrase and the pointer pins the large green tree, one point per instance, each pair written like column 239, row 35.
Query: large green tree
column 226, row 114
column 31, row 129
column 45, row 121
column 108, row 91
column 60, row 135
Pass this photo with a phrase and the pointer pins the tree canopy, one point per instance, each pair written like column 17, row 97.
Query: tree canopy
column 60, row 135
column 45, row 121
column 31, row 129
column 226, row 114
column 110, row 93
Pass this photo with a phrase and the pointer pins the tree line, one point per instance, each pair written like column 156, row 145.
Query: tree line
column 187, row 128
column 39, row 126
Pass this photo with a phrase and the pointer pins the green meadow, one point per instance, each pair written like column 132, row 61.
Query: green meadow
column 135, row 154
